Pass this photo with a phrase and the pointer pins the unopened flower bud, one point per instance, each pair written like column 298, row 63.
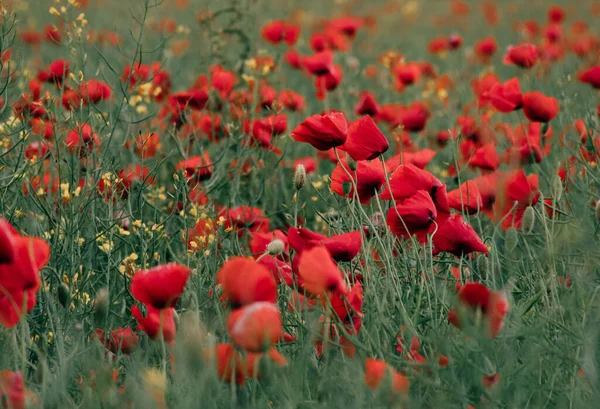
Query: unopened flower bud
column 352, row 165
column 483, row 266
column 299, row 177
column 275, row 247
column 557, row 188
column 64, row 295
column 597, row 209
column 510, row 240
column 101, row 306
column 528, row 220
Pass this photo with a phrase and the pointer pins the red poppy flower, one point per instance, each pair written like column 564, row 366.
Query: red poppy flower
column 222, row 80
column 366, row 104
column 292, row 100
column 516, row 192
column 457, row 237
column 368, row 178
column 377, row 370
column 591, row 76
column 82, row 139
column 199, row 168
column 414, row 117
column 342, row 247
column 309, row 163
column 328, row 82
column 227, row 361
column 291, row 33
column 280, row 270
column 493, row 304
column 523, row 55
column 120, row 340
column 256, row 326
column 538, row 107
column 318, row 273
column 13, row 394
column 160, row 286
column 146, row 145
column 56, row 72
column 466, row 199
column 244, row 219
column 52, row 34
column 348, row 25
column 151, row 324
column 486, row 47
column 420, row 159
column 413, row 216
column 293, row 58
column 192, row 99
column 245, row 281
column 322, row 131
column 272, row 32
column 94, row 91
column 365, row 141
column 506, row 97
column 485, row 157
column 408, row 179
column 259, row 241
column 320, row 63
column 556, row 14
column 408, row 73
column 21, row 259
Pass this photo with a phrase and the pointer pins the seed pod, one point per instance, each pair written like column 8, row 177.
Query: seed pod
column 101, row 306
column 64, row 295
column 352, row 165
column 557, row 188
column 528, row 221
column 511, row 240
column 597, row 210
column 275, row 247
column 483, row 267
column 299, row 177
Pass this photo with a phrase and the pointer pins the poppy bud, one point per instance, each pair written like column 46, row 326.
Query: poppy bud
column 483, row 266
column 597, row 210
column 351, row 163
column 511, row 240
column 64, row 295
column 528, row 220
column 557, row 188
column 276, row 247
column 101, row 305
column 299, row 177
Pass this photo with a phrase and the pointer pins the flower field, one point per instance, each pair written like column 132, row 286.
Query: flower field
column 299, row 204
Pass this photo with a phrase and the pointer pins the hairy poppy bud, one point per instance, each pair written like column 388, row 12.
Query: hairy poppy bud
column 510, row 240
column 299, row 177
column 557, row 188
column 64, row 295
column 351, row 163
column 483, row 266
column 101, row 305
column 528, row 220
column 275, row 247
column 597, row 210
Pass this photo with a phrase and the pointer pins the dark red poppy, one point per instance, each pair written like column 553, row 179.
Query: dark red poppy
column 591, row 76
column 414, row 117
column 466, row 198
column 342, row 247
column 324, row 131
column 365, row 141
column 192, row 99
column 523, row 55
column 320, row 63
column 244, row 281
column 538, row 107
column 413, row 216
column 556, row 14
column 119, row 340
column 368, row 178
column 408, row 73
column 199, row 168
column 156, row 320
column 272, row 32
column 160, row 286
column 367, row 104
column 94, row 91
column 328, row 82
column 457, row 237
column 506, row 97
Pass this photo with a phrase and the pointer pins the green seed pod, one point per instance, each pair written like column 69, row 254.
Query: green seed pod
column 64, row 295
column 483, row 267
column 352, row 165
column 101, row 306
column 528, row 221
column 557, row 188
column 511, row 239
